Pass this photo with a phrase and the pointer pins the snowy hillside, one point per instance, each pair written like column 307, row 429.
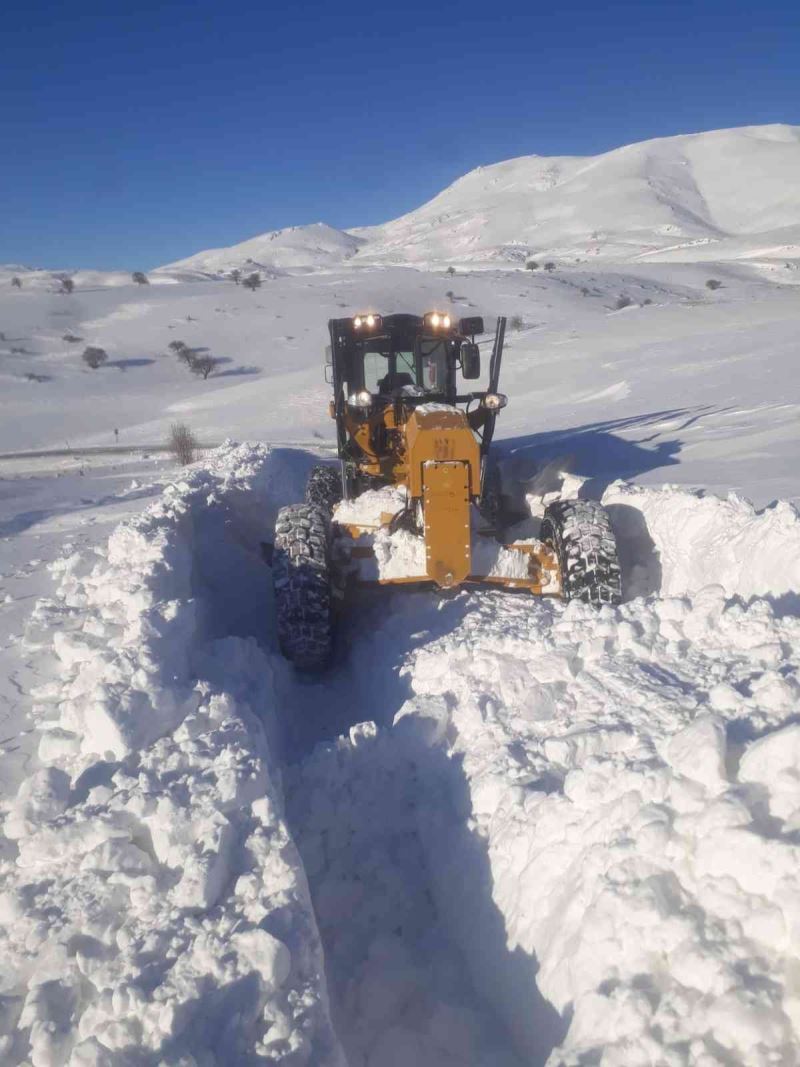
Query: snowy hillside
column 316, row 245
column 723, row 195
column 731, row 193
column 502, row 832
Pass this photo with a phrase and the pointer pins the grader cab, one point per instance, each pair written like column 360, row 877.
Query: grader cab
column 414, row 498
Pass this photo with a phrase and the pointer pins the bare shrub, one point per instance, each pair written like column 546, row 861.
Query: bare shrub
column 646, row 301
column 550, row 266
column 713, row 283
column 183, row 352
column 15, row 281
column 182, row 443
column 94, row 357
column 202, row 366
column 140, row 278
column 236, row 276
column 67, row 285
column 531, row 265
column 515, row 322
column 623, row 302
column 451, row 270
column 451, row 296
column 72, row 338
column 252, row 281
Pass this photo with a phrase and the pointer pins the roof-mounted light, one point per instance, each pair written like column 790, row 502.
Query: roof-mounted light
column 367, row 321
column 437, row 320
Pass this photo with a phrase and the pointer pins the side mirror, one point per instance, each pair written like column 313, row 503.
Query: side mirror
column 469, row 327
column 328, row 355
column 470, row 360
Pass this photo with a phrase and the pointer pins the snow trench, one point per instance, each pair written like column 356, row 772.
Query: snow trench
column 517, row 831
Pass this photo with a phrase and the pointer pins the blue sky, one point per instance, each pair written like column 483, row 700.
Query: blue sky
column 134, row 134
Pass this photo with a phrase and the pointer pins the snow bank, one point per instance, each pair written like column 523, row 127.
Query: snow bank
column 154, row 908
column 675, row 541
column 618, row 837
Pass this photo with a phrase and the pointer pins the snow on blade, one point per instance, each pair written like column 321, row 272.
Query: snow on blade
column 154, row 905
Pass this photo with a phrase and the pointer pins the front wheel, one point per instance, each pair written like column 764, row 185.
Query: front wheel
column 324, row 486
column 581, row 534
column 301, row 576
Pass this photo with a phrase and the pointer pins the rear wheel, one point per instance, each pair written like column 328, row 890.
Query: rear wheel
column 302, row 581
column 324, row 487
column 584, row 542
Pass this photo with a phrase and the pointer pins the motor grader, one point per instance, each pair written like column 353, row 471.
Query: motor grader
column 414, row 498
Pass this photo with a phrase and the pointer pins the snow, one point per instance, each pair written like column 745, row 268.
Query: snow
column 156, row 899
column 504, row 830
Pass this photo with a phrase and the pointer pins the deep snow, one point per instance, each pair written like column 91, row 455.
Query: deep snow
column 557, row 833
column 504, row 831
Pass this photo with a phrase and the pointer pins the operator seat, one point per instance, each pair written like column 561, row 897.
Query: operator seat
column 392, row 382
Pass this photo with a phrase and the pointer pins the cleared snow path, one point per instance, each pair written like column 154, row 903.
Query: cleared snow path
column 399, row 984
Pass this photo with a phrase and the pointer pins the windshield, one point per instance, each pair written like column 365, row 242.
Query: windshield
column 388, row 371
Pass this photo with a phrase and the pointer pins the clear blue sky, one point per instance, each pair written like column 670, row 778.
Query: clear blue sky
column 135, row 133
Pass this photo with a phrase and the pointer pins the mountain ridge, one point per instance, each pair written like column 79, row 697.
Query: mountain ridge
column 734, row 192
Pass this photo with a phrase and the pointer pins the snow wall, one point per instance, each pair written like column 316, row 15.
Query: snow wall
column 154, row 909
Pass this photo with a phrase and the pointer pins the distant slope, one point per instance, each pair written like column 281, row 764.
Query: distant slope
column 723, row 195
column 297, row 246
column 707, row 187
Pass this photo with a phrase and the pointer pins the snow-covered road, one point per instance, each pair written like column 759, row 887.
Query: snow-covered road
column 517, row 831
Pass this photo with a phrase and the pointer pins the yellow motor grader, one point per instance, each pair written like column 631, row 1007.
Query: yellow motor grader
column 414, row 498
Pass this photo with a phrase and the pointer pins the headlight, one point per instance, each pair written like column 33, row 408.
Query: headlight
column 495, row 401
column 437, row 320
column 362, row 399
column 368, row 321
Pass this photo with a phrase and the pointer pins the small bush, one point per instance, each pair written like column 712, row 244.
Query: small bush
column 623, row 302
column 72, row 338
column 531, row 265
column 515, row 322
column 67, row 285
column 15, row 281
column 585, row 291
column 252, row 282
column 646, row 301
column 202, row 366
column 712, row 283
column 140, row 278
column 236, row 276
column 451, row 296
column 94, row 357
column 549, row 266
column 451, row 270
column 182, row 443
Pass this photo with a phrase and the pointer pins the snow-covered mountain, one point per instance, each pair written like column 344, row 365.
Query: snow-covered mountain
column 297, row 246
column 722, row 195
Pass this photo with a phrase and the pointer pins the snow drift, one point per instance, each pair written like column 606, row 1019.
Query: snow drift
column 153, row 904
column 567, row 836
